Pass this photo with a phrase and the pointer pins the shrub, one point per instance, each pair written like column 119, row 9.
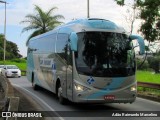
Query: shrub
column 19, row 60
column 154, row 63
column 144, row 66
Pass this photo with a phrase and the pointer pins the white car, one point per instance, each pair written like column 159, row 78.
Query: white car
column 11, row 71
column 1, row 67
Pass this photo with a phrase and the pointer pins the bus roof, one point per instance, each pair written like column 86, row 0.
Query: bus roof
column 81, row 25
column 92, row 24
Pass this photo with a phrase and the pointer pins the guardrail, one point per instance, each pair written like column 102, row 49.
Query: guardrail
column 149, row 91
column 148, row 85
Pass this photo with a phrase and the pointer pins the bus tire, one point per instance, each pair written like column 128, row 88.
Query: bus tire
column 60, row 97
column 35, row 87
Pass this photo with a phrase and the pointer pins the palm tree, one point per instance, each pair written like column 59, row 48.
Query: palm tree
column 41, row 22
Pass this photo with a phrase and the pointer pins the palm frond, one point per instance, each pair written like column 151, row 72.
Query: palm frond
column 50, row 11
column 41, row 21
column 30, row 27
column 56, row 17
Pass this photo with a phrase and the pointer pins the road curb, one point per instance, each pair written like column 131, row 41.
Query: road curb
column 14, row 97
column 8, row 97
column 3, row 92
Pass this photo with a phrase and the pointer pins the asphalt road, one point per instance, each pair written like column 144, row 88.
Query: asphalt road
column 49, row 102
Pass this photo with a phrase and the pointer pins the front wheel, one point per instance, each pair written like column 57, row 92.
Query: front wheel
column 60, row 97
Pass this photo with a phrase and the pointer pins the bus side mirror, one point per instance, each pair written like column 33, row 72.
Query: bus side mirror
column 73, row 41
column 140, row 42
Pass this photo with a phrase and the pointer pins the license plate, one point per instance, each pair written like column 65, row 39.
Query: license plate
column 14, row 74
column 109, row 97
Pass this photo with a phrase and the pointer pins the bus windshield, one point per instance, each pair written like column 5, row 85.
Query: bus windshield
column 105, row 54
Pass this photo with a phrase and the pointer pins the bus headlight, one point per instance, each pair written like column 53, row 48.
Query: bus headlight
column 133, row 88
column 79, row 87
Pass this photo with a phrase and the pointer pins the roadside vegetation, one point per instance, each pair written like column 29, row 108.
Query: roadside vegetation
column 148, row 11
column 12, row 51
column 21, row 63
column 149, row 72
column 147, row 76
column 150, row 66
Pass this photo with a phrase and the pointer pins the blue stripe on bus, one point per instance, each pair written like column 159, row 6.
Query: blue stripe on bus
column 116, row 83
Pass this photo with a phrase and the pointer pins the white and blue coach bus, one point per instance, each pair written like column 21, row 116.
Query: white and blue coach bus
column 86, row 60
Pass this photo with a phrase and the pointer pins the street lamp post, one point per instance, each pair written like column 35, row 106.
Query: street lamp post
column 4, row 55
column 87, row 8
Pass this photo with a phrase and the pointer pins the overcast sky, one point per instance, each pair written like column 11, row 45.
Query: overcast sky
column 70, row 9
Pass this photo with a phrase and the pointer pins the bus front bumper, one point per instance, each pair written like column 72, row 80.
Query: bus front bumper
column 122, row 96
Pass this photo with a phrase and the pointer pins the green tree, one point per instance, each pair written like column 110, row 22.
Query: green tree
column 11, row 49
column 150, row 27
column 149, row 13
column 41, row 21
column 154, row 63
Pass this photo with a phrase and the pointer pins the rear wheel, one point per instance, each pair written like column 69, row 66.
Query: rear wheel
column 35, row 87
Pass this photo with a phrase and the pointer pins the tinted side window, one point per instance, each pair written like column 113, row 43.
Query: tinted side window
column 44, row 44
column 47, row 44
column 62, row 45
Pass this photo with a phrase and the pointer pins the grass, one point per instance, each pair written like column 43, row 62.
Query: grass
column 147, row 76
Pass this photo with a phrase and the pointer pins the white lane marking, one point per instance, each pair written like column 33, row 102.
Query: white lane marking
column 40, row 100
